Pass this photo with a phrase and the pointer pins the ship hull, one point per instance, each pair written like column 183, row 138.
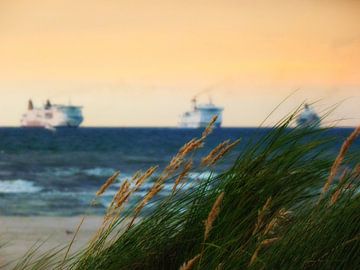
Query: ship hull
column 56, row 116
column 200, row 118
column 31, row 125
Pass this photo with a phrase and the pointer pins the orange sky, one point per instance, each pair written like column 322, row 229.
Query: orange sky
column 135, row 63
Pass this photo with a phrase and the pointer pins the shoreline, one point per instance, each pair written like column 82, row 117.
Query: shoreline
column 19, row 234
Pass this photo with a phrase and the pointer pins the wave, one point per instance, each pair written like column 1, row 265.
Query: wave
column 18, row 186
column 70, row 171
column 107, row 172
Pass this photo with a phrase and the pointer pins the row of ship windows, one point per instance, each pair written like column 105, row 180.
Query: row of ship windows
column 47, row 115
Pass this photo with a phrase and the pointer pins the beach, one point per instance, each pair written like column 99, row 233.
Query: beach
column 21, row 233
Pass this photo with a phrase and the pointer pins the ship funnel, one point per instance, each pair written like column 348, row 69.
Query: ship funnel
column 48, row 104
column 30, row 105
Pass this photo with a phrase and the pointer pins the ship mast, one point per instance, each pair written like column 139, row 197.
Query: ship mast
column 193, row 102
column 202, row 92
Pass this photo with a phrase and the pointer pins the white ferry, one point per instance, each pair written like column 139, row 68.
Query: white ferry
column 308, row 117
column 52, row 116
column 201, row 115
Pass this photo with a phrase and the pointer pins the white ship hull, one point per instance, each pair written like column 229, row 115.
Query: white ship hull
column 308, row 118
column 201, row 116
column 54, row 116
column 198, row 119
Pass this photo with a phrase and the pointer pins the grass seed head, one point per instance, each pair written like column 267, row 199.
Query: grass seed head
column 215, row 210
column 264, row 243
column 339, row 159
column 136, row 176
column 261, row 215
column 157, row 187
column 141, row 179
column 338, row 191
column 122, row 194
column 183, row 174
column 209, row 127
column 223, row 152
column 207, row 160
column 191, row 263
column 107, row 184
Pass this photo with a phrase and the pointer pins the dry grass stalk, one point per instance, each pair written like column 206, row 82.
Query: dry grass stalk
column 281, row 216
column 157, row 187
column 220, row 266
column 271, row 226
column 112, row 214
column 183, row 174
column 264, row 243
column 187, row 148
column 261, row 215
column 122, row 194
column 136, row 175
column 72, row 242
column 339, row 159
column 124, row 191
column 209, row 127
column 223, row 152
column 141, row 179
column 268, row 242
column 197, row 143
column 356, row 172
column 215, row 210
column 191, row 263
column 338, row 191
column 206, row 160
column 174, row 164
column 178, row 159
column 107, row 184
column 153, row 191
column 190, row 146
column 107, row 220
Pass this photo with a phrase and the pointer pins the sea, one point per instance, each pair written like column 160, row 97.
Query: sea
column 45, row 173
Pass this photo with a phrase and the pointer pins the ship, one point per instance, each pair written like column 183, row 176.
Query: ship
column 200, row 115
column 308, row 118
column 52, row 116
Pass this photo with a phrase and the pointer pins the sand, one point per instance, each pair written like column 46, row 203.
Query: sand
column 21, row 233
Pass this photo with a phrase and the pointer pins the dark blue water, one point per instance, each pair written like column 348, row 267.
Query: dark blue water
column 46, row 173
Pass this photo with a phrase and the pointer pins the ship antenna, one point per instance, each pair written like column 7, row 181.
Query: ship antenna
column 193, row 101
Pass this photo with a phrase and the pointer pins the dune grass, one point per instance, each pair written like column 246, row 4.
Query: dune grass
column 284, row 204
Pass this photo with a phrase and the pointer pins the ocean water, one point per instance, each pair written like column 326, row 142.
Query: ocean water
column 46, row 173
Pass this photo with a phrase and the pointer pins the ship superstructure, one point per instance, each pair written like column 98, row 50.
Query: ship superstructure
column 52, row 116
column 201, row 115
column 308, row 117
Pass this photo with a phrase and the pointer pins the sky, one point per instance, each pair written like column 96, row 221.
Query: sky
column 138, row 63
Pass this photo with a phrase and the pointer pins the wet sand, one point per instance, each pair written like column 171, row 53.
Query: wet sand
column 21, row 233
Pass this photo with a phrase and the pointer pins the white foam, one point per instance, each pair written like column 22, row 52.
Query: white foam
column 99, row 171
column 201, row 175
column 18, row 186
column 64, row 172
